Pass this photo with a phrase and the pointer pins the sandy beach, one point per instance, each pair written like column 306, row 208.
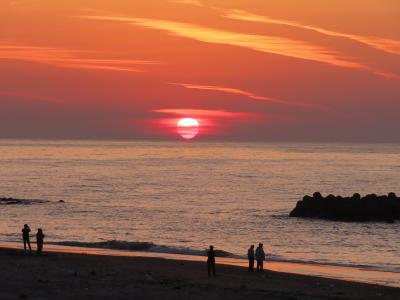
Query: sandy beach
column 58, row 275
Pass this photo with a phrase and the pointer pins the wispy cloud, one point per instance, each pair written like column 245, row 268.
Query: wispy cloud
column 180, row 112
column 388, row 75
column 190, row 2
column 209, row 118
column 262, row 43
column 384, row 44
column 249, row 95
column 68, row 58
column 225, row 90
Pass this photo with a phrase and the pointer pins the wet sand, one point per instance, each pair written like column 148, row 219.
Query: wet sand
column 58, row 275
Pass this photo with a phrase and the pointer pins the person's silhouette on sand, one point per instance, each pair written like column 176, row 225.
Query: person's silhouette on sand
column 39, row 241
column 250, row 256
column 260, row 257
column 211, row 261
column 25, row 237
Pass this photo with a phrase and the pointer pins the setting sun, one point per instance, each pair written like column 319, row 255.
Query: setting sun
column 188, row 128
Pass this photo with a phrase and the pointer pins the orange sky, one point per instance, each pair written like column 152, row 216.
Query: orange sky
column 297, row 70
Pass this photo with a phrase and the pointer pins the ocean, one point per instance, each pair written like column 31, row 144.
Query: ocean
column 181, row 197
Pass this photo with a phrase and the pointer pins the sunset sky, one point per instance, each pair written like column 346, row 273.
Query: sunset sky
column 262, row 70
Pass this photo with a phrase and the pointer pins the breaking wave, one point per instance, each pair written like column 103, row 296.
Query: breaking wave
column 15, row 201
column 142, row 246
column 151, row 247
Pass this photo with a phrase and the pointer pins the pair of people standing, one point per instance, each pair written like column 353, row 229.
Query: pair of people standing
column 258, row 255
column 39, row 239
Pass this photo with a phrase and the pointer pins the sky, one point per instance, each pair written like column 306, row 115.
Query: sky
column 246, row 70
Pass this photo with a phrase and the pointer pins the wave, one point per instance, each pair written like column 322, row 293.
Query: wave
column 15, row 201
column 142, row 246
column 151, row 247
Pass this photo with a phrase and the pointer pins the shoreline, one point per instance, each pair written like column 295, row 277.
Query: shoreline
column 345, row 273
column 58, row 275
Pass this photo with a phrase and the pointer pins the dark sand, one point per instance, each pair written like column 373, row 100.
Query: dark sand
column 81, row 276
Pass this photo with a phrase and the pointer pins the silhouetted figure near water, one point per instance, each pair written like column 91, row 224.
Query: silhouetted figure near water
column 250, row 256
column 25, row 236
column 260, row 257
column 39, row 241
column 211, row 261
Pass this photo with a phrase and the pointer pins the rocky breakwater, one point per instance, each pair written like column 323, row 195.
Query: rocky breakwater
column 370, row 208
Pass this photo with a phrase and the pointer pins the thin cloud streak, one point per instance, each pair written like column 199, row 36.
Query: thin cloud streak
column 190, row 2
column 201, row 113
column 267, row 44
column 388, row 75
column 383, row 44
column 65, row 58
column 210, row 117
column 250, row 95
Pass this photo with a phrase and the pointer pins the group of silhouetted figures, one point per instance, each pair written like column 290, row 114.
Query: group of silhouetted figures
column 257, row 255
column 39, row 239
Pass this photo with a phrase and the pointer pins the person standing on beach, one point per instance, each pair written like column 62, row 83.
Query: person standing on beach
column 211, row 261
column 260, row 257
column 39, row 241
column 25, row 237
column 250, row 256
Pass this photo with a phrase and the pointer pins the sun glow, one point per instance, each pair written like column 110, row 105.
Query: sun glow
column 188, row 128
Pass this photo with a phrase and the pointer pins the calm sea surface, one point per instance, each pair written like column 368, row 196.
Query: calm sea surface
column 183, row 196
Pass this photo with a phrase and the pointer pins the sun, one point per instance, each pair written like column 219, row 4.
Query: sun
column 188, row 128
column 188, row 122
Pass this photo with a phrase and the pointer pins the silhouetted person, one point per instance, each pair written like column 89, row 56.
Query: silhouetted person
column 211, row 261
column 25, row 236
column 260, row 257
column 39, row 241
column 250, row 256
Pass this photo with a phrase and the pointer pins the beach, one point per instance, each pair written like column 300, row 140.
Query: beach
column 57, row 275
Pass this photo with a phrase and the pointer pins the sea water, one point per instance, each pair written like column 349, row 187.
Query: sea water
column 181, row 197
